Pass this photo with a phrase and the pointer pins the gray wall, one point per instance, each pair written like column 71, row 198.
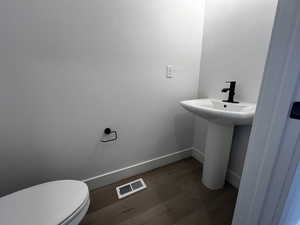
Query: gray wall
column 70, row 68
column 235, row 44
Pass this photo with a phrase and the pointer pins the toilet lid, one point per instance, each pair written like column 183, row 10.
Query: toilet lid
column 45, row 204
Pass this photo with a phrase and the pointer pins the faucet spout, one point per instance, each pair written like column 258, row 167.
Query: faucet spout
column 225, row 89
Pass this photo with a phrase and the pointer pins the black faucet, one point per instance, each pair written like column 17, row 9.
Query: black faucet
column 231, row 92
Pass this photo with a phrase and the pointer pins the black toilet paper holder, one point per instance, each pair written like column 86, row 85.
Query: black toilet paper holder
column 108, row 131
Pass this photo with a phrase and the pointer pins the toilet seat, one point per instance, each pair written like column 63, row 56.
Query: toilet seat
column 78, row 215
column 53, row 203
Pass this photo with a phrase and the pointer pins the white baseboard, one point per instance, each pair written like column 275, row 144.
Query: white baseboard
column 232, row 177
column 198, row 155
column 138, row 168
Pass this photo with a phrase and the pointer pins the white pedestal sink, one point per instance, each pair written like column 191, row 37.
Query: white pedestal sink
column 222, row 117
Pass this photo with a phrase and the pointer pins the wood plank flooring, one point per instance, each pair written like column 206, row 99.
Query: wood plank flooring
column 174, row 196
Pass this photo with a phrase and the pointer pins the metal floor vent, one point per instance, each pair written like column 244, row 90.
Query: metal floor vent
column 130, row 188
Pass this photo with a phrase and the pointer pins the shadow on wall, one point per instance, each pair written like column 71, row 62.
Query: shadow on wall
column 239, row 148
column 184, row 129
column 200, row 133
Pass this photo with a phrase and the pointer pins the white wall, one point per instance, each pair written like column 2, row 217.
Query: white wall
column 235, row 45
column 68, row 69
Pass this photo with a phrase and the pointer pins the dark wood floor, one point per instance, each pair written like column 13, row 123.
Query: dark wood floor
column 175, row 196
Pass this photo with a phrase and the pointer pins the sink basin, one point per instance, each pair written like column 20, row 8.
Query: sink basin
column 221, row 112
column 221, row 117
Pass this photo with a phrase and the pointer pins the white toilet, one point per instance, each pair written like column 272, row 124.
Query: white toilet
column 62, row 202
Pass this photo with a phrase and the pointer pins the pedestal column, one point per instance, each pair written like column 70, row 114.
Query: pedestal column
column 217, row 154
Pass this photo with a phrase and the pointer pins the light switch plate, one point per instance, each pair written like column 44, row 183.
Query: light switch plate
column 171, row 72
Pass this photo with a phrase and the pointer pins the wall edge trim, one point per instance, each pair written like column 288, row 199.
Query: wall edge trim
column 135, row 169
column 116, row 175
